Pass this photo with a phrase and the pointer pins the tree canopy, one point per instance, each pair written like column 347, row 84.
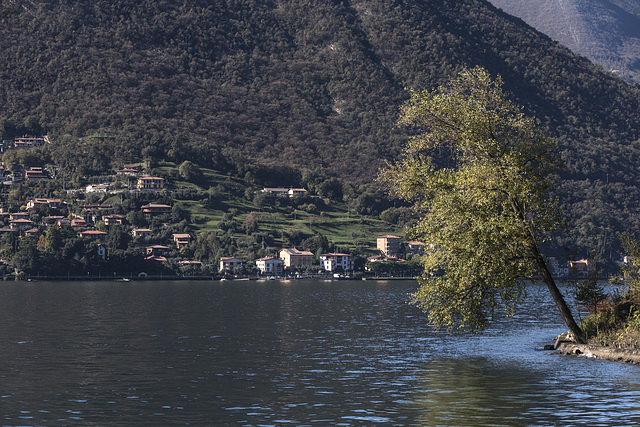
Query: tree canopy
column 479, row 172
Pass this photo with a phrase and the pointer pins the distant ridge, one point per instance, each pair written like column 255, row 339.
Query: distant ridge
column 607, row 32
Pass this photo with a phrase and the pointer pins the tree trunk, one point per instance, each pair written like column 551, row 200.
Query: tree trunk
column 557, row 296
column 548, row 280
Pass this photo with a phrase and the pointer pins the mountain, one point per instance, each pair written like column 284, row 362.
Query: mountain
column 605, row 31
column 270, row 89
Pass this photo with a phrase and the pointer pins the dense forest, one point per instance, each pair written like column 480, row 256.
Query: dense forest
column 271, row 89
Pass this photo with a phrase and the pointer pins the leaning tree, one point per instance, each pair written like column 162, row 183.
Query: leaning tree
column 479, row 172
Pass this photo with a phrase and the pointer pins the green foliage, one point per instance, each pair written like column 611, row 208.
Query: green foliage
column 189, row 171
column 590, row 293
column 399, row 216
column 631, row 270
column 633, row 322
column 487, row 209
column 605, row 321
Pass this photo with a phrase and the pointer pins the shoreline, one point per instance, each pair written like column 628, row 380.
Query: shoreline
column 157, row 277
column 570, row 348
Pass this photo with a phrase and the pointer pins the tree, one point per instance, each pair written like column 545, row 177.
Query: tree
column 188, row 170
column 479, row 173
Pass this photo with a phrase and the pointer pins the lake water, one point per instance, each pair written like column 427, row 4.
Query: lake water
column 287, row 353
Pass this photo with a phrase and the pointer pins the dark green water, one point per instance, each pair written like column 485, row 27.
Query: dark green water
column 286, row 353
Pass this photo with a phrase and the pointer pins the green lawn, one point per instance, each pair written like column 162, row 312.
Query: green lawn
column 335, row 222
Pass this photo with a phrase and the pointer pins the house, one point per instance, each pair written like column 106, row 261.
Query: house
column 181, row 240
column 127, row 172
column 19, row 215
column 297, row 192
column 94, row 235
column 333, row 262
column 557, row 268
column 380, row 258
column 52, row 203
column 580, row 268
column 389, row 245
column 28, row 141
column 130, row 170
column 276, row 191
column 141, row 232
column 153, row 209
column 294, row 258
column 97, row 188
column 150, row 183
column 415, row 248
column 114, row 219
column 55, row 203
column 52, row 219
column 20, row 223
column 156, row 250
column 159, row 259
column 78, row 223
column 228, row 264
column 36, row 174
column 270, row 265
column 31, row 232
column 101, row 252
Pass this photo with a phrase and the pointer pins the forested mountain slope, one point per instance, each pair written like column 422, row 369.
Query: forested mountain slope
column 300, row 84
column 605, row 31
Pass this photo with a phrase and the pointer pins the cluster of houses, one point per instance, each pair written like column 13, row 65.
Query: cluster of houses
column 288, row 259
column 21, row 224
column 291, row 259
column 580, row 269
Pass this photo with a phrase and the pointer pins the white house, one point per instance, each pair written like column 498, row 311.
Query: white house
column 333, row 262
column 97, row 188
column 270, row 265
column 297, row 192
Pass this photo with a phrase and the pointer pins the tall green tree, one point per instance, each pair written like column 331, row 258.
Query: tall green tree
column 479, row 171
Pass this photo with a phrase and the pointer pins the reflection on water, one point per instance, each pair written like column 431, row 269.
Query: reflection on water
column 477, row 391
column 286, row 353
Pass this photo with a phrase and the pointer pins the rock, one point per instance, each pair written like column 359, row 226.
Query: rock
column 604, row 353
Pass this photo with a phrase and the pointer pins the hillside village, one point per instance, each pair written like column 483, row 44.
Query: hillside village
column 134, row 223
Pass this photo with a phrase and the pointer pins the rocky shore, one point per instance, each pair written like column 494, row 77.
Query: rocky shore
column 568, row 347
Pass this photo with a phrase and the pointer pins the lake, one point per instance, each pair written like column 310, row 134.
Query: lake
column 314, row 353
